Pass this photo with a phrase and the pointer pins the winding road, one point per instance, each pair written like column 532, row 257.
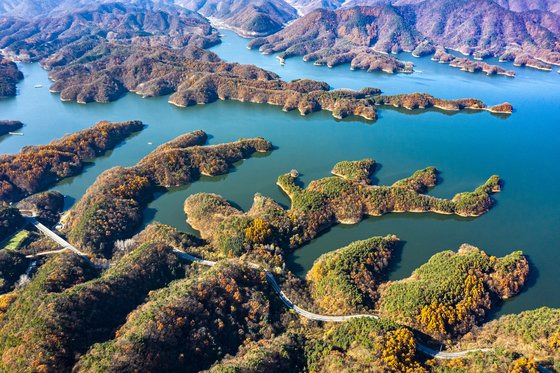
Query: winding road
column 326, row 318
column 66, row 246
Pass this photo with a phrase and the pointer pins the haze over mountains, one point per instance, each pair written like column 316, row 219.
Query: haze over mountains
column 522, row 28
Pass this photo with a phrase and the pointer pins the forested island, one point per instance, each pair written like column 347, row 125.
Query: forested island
column 38, row 167
column 344, row 198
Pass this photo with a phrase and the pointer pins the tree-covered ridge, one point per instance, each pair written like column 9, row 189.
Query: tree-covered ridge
column 9, row 77
column 191, row 323
column 38, row 167
column 284, row 353
column 324, row 203
column 452, row 292
column 363, row 345
column 49, row 330
column 534, row 334
column 10, row 221
column 345, row 281
column 18, row 322
column 363, row 36
column 112, row 207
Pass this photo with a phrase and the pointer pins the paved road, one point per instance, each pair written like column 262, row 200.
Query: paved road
column 313, row 316
column 271, row 280
column 66, row 246
column 447, row 355
column 55, row 237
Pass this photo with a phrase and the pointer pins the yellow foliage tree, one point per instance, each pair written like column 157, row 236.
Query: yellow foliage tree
column 440, row 318
column 554, row 341
column 258, row 232
column 437, row 317
column 524, row 365
column 399, row 351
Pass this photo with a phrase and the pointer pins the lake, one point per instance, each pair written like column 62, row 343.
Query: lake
column 524, row 149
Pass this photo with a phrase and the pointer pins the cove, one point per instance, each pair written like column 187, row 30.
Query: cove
column 467, row 147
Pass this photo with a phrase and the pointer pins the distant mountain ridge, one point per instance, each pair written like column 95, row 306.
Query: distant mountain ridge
column 246, row 17
column 526, row 38
column 252, row 18
column 33, row 40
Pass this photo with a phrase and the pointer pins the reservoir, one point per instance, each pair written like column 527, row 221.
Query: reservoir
column 524, row 149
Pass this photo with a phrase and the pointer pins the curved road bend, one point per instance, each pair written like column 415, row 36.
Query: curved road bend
column 313, row 316
column 271, row 280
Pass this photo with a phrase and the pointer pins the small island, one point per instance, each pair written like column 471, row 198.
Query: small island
column 465, row 64
column 7, row 126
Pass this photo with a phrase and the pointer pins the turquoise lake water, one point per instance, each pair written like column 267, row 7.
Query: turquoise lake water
column 524, row 149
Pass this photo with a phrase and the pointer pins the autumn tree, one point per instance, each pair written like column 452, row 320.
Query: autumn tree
column 524, row 365
column 399, row 351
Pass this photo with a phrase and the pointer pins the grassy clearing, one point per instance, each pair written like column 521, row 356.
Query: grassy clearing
column 14, row 242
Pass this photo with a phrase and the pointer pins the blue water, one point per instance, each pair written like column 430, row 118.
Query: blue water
column 467, row 147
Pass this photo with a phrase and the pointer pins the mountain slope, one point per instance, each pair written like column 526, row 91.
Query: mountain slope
column 525, row 5
column 36, row 39
column 246, row 17
column 480, row 28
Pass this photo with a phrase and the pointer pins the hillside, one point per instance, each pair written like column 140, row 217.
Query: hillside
column 452, row 292
column 9, row 77
column 171, row 314
column 342, row 36
column 37, row 167
column 112, row 208
column 552, row 6
column 533, row 334
column 36, row 39
column 307, row 6
column 248, row 18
